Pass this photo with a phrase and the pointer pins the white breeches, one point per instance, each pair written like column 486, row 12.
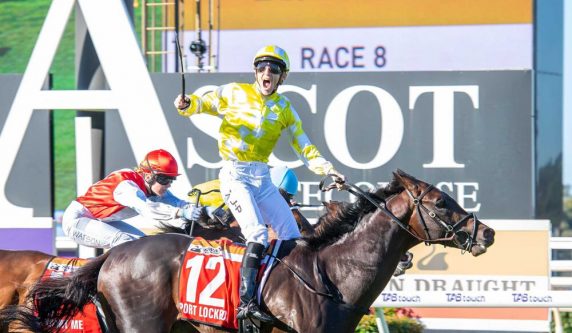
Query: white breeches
column 255, row 202
column 80, row 225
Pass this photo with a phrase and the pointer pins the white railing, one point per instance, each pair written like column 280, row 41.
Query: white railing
column 558, row 298
column 560, row 282
column 559, row 285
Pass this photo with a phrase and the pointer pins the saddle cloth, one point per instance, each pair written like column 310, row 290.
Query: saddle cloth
column 209, row 282
column 84, row 321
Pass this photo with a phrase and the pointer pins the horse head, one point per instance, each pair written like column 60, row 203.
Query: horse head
column 437, row 218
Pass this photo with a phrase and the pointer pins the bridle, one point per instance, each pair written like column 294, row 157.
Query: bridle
column 451, row 232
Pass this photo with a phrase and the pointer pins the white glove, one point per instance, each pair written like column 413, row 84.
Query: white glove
column 339, row 178
column 182, row 102
column 191, row 212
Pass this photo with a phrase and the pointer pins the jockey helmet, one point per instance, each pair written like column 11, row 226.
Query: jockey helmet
column 160, row 162
column 285, row 179
column 275, row 54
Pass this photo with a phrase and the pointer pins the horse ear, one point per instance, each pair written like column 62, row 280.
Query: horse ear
column 400, row 175
column 405, row 179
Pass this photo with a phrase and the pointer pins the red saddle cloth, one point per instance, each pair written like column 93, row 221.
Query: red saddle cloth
column 84, row 321
column 210, row 281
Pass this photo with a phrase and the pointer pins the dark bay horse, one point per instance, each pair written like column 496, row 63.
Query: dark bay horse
column 21, row 269
column 341, row 269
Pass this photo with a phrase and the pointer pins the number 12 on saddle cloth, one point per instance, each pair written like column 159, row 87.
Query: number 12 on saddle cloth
column 86, row 320
column 210, row 281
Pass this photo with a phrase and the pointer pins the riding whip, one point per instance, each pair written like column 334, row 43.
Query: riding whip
column 179, row 51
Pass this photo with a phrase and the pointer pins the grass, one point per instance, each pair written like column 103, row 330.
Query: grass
column 20, row 24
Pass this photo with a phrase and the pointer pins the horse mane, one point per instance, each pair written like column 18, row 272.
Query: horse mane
column 164, row 228
column 338, row 222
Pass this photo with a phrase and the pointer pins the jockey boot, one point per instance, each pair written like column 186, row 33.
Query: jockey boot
column 404, row 263
column 248, row 307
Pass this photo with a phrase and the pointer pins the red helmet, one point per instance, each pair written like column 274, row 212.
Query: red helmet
column 160, row 162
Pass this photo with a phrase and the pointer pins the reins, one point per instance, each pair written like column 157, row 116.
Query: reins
column 358, row 192
column 418, row 203
column 332, row 292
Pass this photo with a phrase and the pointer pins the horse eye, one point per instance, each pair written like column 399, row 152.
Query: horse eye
column 440, row 203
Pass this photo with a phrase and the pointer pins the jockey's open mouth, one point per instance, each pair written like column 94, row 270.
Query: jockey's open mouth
column 266, row 83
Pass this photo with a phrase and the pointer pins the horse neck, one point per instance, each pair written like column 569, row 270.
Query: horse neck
column 361, row 263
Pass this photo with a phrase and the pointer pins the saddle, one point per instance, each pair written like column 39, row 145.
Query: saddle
column 209, row 281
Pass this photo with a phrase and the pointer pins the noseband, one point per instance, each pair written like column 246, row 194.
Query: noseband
column 450, row 231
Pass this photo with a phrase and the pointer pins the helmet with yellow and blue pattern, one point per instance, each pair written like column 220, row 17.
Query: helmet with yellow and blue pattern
column 275, row 54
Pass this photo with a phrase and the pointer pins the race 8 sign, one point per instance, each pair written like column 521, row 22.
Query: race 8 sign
column 343, row 57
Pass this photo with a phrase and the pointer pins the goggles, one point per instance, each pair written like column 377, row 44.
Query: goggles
column 164, row 179
column 274, row 67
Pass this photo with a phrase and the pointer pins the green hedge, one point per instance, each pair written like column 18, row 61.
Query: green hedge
column 566, row 319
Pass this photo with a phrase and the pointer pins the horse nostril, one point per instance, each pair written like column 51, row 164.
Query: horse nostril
column 489, row 235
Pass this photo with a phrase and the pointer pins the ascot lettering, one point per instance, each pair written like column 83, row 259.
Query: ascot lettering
column 209, row 125
column 135, row 95
column 443, row 120
column 311, row 194
column 131, row 94
column 464, row 190
column 392, row 127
